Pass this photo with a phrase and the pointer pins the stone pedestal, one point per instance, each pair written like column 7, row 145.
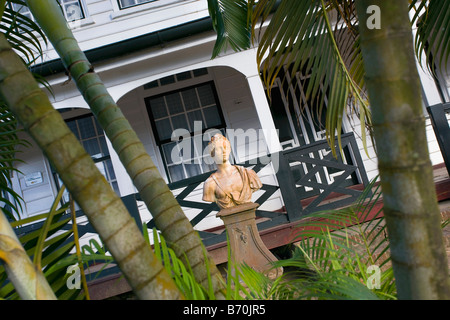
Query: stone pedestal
column 245, row 243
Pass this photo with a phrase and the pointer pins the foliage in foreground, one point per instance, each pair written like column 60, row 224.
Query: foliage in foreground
column 340, row 254
column 337, row 255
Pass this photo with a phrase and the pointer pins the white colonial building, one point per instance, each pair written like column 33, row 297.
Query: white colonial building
column 154, row 57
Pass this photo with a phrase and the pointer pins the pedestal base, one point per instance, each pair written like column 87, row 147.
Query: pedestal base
column 245, row 243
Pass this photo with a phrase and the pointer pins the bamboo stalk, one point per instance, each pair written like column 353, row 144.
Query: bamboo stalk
column 409, row 194
column 103, row 207
column 28, row 280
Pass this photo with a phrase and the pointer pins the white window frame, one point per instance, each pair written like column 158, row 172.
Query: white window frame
column 177, row 86
column 83, row 9
column 136, row 3
column 119, row 12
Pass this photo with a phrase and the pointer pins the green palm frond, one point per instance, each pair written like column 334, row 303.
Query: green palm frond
column 348, row 241
column 433, row 36
column 22, row 32
column 9, row 142
column 232, row 24
column 50, row 244
column 182, row 275
column 25, row 37
column 316, row 37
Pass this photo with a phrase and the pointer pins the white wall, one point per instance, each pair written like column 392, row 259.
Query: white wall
column 106, row 24
column 38, row 197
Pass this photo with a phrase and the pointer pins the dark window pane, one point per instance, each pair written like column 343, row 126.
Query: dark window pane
column 280, row 117
column 167, row 80
column 208, row 165
column 184, row 76
column 158, row 107
column 174, row 103
column 176, row 152
column 212, row 117
column 153, row 84
column 73, row 10
column 104, row 146
column 73, row 127
column 129, row 3
column 192, row 170
column 164, row 129
column 206, row 95
column 87, row 128
column 168, row 153
column 176, row 173
column 190, row 99
column 98, row 127
column 195, row 116
column 92, row 147
column 115, row 187
column 200, row 72
column 110, row 169
column 180, row 122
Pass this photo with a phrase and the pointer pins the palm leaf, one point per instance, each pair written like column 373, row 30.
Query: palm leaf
column 51, row 245
column 25, row 36
column 348, row 241
column 232, row 24
column 301, row 36
column 181, row 273
column 9, row 142
column 433, row 35
column 22, row 33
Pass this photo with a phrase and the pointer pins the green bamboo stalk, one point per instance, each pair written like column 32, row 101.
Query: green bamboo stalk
column 28, row 280
column 103, row 207
column 168, row 216
column 410, row 204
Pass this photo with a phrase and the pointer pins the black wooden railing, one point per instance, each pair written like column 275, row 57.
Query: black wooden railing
column 318, row 175
column 441, row 128
column 305, row 172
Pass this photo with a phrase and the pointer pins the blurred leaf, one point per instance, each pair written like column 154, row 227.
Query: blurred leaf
column 232, row 24
column 433, row 36
column 22, row 33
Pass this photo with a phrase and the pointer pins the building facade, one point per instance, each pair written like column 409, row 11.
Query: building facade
column 155, row 59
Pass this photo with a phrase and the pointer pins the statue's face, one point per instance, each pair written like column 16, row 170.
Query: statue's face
column 220, row 150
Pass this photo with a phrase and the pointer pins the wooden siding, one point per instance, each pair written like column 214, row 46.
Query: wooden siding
column 105, row 24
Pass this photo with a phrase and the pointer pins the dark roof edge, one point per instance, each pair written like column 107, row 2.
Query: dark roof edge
column 127, row 46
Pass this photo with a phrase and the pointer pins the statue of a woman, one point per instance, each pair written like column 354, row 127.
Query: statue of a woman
column 230, row 185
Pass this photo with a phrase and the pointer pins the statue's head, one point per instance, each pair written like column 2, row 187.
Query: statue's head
column 219, row 148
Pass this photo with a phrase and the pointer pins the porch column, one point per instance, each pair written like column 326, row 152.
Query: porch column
column 264, row 114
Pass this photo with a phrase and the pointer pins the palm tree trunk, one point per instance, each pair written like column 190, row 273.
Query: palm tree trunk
column 167, row 213
column 410, row 204
column 28, row 280
column 103, row 207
